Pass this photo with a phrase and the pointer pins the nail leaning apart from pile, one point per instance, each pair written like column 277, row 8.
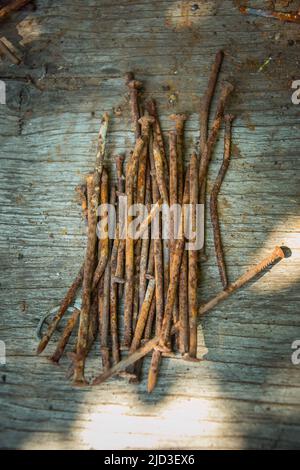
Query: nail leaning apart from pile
column 159, row 276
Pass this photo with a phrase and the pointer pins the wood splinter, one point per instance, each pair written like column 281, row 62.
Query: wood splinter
column 193, row 260
column 103, row 244
column 165, row 329
column 227, row 89
column 207, row 99
column 145, row 122
column 63, row 341
column 119, row 271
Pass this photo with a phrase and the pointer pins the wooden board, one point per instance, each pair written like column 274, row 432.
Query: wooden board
column 245, row 393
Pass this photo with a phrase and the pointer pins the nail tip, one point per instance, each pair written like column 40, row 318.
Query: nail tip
column 40, row 348
column 150, row 388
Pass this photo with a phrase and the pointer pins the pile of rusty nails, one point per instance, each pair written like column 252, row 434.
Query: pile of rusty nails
column 157, row 278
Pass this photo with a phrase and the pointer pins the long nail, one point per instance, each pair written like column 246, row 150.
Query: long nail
column 143, row 316
column 173, row 158
column 66, row 302
column 207, row 99
column 164, row 332
column 101, row 146
column 214, row 201
column 82, row 340
column 158, row 135
column 160, row 172
column 114, row 306
column 129, row 244
column 134, row 86
column 119, row 271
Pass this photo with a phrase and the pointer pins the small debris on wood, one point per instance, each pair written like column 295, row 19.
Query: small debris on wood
column 292, row 17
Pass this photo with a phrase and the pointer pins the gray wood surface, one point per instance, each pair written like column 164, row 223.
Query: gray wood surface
column 245, row 393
